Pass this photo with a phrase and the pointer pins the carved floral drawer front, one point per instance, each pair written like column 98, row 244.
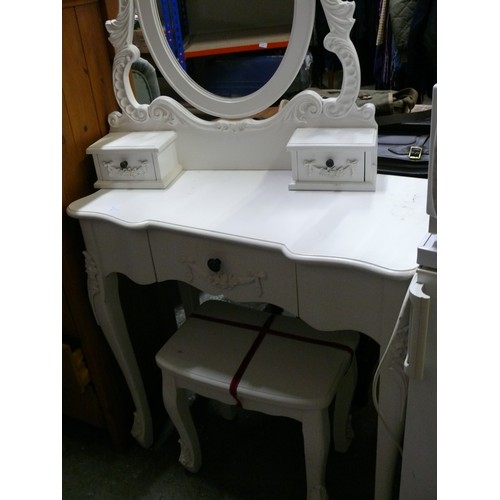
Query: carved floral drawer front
column 333, row 159
column 125, row 166
column 237, row 271
column 331, row 165
column 135, row 159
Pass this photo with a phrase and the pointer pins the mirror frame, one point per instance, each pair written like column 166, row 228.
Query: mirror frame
column 339, row 15
column 229, row 107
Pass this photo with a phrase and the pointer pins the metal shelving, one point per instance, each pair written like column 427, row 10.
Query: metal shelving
column 175, row 22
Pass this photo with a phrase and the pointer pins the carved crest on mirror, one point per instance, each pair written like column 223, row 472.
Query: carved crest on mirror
column 339, row 15
column 229, row 138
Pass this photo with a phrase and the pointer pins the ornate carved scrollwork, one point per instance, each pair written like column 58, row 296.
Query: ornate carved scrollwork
column 228, row 281
column 121, row 37
column 314, row 167
column 186, row 457
column 130, row 171
column 303, row 107
column 92, row 274
column 222, row 280
column 93, row 278
column 339, row 16
column 229, row 126
column 168, row 112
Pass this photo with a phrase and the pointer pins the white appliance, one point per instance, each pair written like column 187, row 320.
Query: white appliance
column 419, row 459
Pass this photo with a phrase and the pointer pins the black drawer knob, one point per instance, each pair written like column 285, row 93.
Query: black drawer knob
column 214, row 265
column 124, row 164
column 329, row 163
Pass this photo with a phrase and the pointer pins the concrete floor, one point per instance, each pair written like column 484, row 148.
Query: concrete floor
column 253, row 457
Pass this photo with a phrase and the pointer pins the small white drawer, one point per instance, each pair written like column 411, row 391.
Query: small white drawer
column 135, row 159
column 334, row 159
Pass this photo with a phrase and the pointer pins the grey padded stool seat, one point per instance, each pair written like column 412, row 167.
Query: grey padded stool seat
column 273, row 364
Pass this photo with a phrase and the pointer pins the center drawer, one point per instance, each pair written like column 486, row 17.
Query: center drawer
column 241, row 272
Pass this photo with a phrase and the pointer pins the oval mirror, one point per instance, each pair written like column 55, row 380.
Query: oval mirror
column 228, row 107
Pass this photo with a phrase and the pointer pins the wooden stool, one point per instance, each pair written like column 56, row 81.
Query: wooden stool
column 269, row 363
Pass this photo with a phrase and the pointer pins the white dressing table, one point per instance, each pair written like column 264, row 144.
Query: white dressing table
column 230, row 224
column 337, row 260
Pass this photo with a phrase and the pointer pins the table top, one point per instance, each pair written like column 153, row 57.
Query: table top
column 377, row 231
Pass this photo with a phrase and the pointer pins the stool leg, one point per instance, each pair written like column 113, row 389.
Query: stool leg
column 177, row 405
column 316, row 432
column 342, row 428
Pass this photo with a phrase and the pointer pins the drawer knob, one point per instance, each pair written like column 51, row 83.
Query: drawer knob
column 214, row 265
column 124, row 164
column 329, row 163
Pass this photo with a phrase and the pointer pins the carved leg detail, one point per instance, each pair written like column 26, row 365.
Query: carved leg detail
column 177, row 404
column 105, row 300
column 342, row 428
column 316, row 432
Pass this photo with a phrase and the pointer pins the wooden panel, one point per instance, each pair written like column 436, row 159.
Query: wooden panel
column 87, row 93
column 68, row 324
column 110, row 9
column 87, row 99
column 78, row 399
column 99, row 68
column 78, row 173
column 77, row 88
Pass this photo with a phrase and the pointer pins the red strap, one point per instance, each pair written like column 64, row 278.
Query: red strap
column 237, row 324
column 233, row 386
column 245, row 326
column 326, row 343
column 263, row 331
